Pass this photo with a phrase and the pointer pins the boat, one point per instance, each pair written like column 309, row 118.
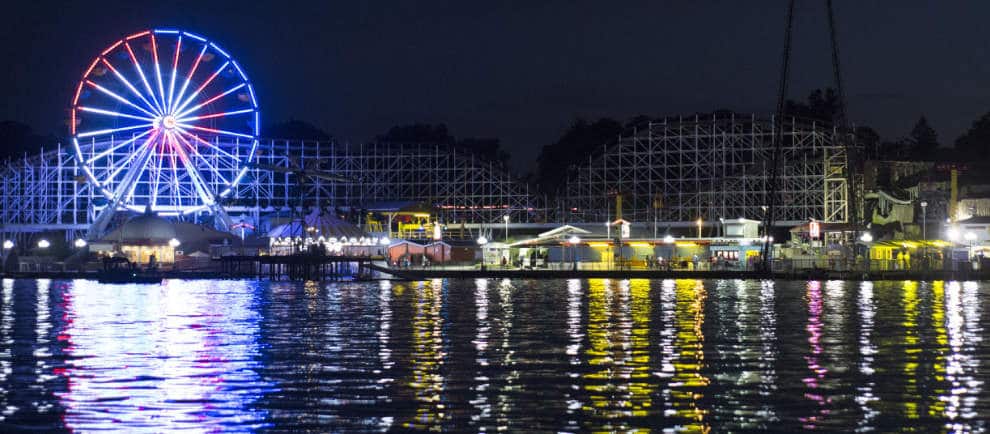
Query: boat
column 128, row 277
column 121, row 270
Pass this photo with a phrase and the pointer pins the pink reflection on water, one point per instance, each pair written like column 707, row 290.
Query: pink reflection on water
column 160, row 357
column 817, row 371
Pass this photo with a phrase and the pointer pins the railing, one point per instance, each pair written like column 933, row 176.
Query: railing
column 803, row 265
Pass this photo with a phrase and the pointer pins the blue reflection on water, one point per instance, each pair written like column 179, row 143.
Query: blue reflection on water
column 157, row 357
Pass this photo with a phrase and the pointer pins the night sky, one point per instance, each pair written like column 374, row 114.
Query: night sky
column 522, row 71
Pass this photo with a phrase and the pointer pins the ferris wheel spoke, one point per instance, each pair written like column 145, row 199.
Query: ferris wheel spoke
column 125, row 164
column 117, row 146
column 215, row 131
column 207, row 102
column 113, row 95
column 144, row 79
column 140, row 159
column 158, row 178
column 112, row 130
column 130, row 86
column 214, row 115
column 158, row 73
column 113, row 113
column 175, row 68
column 182, row 90
column 202, row 158
column 199, row 89
column 208, row 144
column 199, row 184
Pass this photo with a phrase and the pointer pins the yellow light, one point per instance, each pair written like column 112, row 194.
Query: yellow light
column 598, row 244
column 640, row 244
column 685, row 244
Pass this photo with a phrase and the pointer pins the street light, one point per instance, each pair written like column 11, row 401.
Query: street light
column 699, row 222
column 80, row 243
column 506, row 219
column 953, row 234
column 7, row 246
column 924, row 220
column 866, row 237
column 970, row 237
column 174, row 243
column 481, row 242
column 669, row 239
column 44, row 244
column 573, row 241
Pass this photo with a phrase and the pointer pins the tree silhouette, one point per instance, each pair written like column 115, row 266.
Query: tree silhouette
column 17, row 138
column 486, row 149
column 869, row 140
column 296, row 130
column 821, row 105
column 924, row 140
column 975, row 142
column 580, row 140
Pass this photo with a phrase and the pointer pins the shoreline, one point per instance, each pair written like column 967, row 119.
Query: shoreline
column 426, row 274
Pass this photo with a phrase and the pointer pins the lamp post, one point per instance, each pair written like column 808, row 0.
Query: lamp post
column 970, row 237
column 699, row 223
column 8, row 245
column 481, row 242
column 924, row 220
column 506, row 219
column 574, row 240
column 866, row 238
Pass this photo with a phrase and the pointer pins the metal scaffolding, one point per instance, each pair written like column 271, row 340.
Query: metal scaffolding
column 47, row 191
column 711, row 168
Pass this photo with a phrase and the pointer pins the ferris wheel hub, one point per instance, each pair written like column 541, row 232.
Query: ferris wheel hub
column 168, row 122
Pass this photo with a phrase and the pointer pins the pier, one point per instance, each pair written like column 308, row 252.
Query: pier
column 297, row 267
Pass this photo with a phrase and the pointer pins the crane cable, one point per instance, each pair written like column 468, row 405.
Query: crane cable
column 778, row 139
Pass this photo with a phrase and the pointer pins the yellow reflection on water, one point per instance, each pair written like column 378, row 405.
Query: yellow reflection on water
column 909, row 294
column 935, row 405
column 427, row 357
column 618, row 337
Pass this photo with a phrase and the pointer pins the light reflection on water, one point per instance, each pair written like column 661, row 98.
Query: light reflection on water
column 568, row 355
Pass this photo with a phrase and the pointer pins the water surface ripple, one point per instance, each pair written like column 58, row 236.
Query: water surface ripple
column 487, row 354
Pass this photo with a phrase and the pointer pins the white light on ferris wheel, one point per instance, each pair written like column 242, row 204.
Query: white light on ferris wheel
column 164, row 118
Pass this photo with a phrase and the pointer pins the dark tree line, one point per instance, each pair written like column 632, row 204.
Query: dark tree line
column 487, row 149
column 17, row 139
column 584, row 138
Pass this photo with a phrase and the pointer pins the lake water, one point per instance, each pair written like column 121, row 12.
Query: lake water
column 515, row 355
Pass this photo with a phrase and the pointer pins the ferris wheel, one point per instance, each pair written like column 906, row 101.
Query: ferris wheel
column 164, row 119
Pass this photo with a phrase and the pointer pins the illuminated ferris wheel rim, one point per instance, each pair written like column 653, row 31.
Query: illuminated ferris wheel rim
column 163, row 111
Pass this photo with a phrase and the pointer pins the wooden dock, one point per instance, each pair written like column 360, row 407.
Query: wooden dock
column 298, row 267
